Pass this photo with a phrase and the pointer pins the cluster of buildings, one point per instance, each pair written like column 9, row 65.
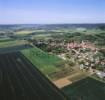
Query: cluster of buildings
column 84, row 54
column 83, row 45
column 88, row 57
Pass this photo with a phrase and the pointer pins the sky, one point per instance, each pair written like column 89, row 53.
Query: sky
column 51, row 11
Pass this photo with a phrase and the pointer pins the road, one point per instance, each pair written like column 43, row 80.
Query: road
column 20, row 80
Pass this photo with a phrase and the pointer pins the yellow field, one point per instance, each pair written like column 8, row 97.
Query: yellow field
column 26, row 32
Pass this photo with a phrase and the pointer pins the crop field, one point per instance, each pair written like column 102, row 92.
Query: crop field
column 5, row 40
column 42, row 36
column 20, row 80
column 14, row 48
column 45, row 62
column 11, row 43
column 26, row 32
column 86, row 89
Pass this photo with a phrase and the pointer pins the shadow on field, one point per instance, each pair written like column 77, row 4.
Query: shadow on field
column 86, row 89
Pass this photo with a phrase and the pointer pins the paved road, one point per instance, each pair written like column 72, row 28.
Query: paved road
column 20, row 80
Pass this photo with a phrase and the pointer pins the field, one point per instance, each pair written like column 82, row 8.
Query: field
column 26, row 70
column 45, row 62
column 11, row 43
column 14, row 48
column 86, row 89
column 26, row 32
column 20, row 80
column 42, row 36
column 23, row 32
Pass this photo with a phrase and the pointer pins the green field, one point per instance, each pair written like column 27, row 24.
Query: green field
column 11, row 43
column 42, row 36
column 45, row 62
column 86, row 89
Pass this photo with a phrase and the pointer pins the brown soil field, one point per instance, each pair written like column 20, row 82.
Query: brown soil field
column 62, row 82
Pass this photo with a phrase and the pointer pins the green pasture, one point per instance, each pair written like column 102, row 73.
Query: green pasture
column 45, row 62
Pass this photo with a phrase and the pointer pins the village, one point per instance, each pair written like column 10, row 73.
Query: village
column 84, row 54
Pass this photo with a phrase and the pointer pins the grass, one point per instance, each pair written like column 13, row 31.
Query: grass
column 6, row 40
column 42, row 36
column 11, row 43
column 86, row 89
column 45, row 62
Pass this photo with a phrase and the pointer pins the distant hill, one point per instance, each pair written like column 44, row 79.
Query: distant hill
column 48, row 26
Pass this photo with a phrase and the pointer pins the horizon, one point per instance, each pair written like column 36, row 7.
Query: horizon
column 52, row 23
column 52, row 11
